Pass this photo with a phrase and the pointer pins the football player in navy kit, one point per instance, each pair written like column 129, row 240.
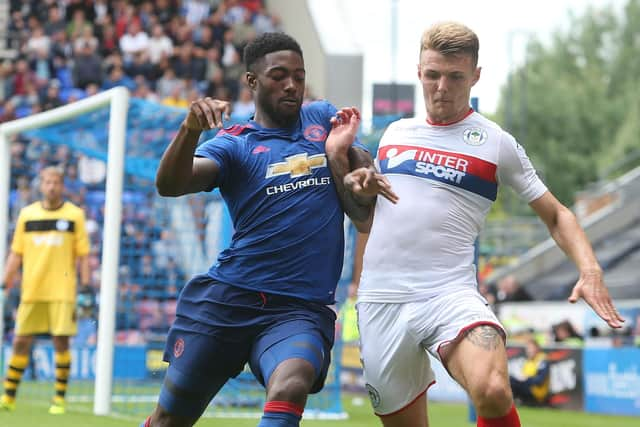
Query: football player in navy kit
column 266, row 300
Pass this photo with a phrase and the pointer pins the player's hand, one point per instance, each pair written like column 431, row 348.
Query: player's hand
column 367, row 183
column 592, row 289
column 344, row 128
column 207, row 113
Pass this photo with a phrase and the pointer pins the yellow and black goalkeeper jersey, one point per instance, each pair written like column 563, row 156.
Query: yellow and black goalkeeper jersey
column 49, row 242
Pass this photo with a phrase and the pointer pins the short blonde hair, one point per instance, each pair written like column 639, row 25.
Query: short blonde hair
column 451, row 38
column 52, row 170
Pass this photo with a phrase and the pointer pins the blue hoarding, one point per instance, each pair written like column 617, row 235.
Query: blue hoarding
column 612, row 380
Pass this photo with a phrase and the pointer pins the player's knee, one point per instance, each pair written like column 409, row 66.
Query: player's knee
column 492, row 395
column 21, row 345
column 163, row 418
column 291, row 388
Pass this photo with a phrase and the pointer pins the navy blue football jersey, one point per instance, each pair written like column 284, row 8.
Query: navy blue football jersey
column 288, row 223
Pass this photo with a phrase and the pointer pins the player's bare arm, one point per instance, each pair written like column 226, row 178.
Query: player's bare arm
column 179, row 171
column 344, row 158
column 14, row 261
column 570, row 237
column 85, row 272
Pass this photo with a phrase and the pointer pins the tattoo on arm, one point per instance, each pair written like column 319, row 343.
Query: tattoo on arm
column 486, row 337
column 355, row 208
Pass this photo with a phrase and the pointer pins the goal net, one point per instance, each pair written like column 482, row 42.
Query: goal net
column 143, row 249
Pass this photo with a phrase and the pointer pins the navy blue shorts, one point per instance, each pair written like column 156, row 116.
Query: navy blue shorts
column 219, row 328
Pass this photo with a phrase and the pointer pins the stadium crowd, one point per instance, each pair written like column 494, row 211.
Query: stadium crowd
column 166, row 51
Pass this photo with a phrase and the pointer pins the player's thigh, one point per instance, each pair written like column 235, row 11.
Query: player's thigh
column 470, row 341
column 199, row 365
column 414, row 415
column 478, row 361
column 32, row 318
column 309, row 337
column 62, row 319
column 397, row 369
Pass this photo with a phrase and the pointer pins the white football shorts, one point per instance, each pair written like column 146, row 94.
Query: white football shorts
column 395, row 338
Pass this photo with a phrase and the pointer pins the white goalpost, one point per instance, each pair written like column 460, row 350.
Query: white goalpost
column 118, row 100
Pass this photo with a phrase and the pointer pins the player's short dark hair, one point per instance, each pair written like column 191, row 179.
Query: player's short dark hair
column 267, row 43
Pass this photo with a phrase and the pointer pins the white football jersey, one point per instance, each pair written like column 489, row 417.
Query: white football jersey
column 446, row 176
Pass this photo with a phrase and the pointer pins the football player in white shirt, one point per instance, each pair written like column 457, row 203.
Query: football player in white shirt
column 418, row 290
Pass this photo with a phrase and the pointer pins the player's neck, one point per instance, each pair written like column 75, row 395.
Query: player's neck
column 268, row 122
column 52, row 205
column 446, row 121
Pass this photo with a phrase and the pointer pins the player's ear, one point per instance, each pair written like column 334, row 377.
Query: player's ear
column 251, row 79
column 476, row 75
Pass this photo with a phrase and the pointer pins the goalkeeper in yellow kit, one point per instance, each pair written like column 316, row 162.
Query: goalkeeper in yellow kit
column 50, row 242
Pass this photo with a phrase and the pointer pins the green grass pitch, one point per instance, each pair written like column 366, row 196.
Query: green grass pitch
column 31, row 413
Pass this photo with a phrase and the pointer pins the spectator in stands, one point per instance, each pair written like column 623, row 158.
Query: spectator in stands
column 235, row 12
column 43, row 67
column 101, row 10
column 218, row 26
column 78, row 24
column 140, row 66
column 6, row 79
column 8, row 112
column 135, row 41
column 488, row 293
column 22, row 76
column 531, row 385
column 509, row 290
column 86, row 38
column 55, row 21
column 175, row 278
column 60, row 46
column 265, row 22
column 243, row 31
column 164, row 248
column 186, row 65
column 26, row 101
column 165, row 10
column 37, row 41
column 149, row 313
column 160, row 46
column 195, row 11
column 51, row 98
column 87, row 67
column 143, row 91
column 566, row 334
column 117, row 77
column 244, row 106
column 108, row 40
column 177, row 97
column 167, row 84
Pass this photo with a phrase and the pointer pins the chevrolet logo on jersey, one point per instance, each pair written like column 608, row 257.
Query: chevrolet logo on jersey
column 297, row 165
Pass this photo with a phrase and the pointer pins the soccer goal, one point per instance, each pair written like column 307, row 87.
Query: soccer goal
column 144, row 247
column 117, row 99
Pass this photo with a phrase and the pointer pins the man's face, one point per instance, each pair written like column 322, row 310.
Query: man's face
column 446, row 84
column 279, row 83
column 531, row 350
column 52, row 187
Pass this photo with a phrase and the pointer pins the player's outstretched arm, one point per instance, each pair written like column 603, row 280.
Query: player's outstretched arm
column 179, row 171
column 344, row 158
column 570, row 237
